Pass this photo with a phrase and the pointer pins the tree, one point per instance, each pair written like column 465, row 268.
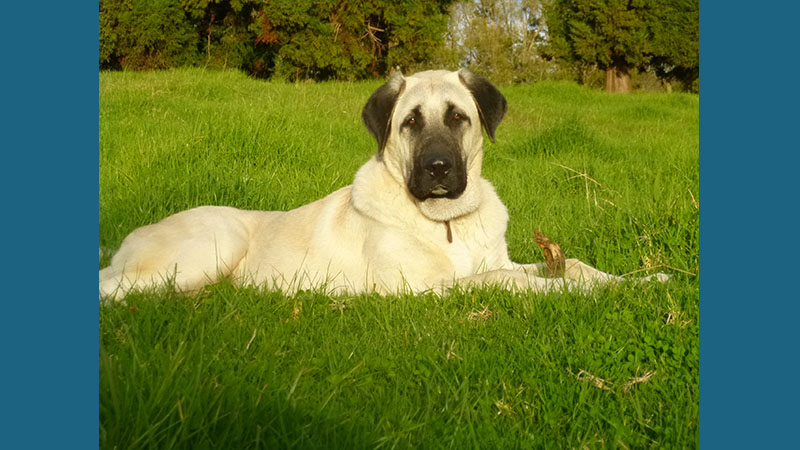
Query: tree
column 414, row 32
column 223, row 32
column 676, row 42
column 324, row 39
column 145, row 34
column 497, row 38
column 316, row 39
column 620, row 35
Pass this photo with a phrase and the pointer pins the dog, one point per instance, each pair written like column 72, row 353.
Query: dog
column 419, row 216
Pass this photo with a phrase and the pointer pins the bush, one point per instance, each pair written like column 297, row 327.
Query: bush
column 145, row 34
column 306, row 39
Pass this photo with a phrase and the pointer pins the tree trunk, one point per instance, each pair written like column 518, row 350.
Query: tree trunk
column 618, row 79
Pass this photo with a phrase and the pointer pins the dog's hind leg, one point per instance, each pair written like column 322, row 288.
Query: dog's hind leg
column 184, row 274
column 186, row 251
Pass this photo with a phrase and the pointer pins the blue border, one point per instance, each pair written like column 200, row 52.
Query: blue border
column 50, row 226
column 748, row 240
column 748, row 200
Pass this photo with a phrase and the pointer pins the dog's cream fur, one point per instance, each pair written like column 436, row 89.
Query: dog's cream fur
column 370, row 236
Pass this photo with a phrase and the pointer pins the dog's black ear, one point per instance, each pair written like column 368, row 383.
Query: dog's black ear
column 377, row 113
column 491, row 103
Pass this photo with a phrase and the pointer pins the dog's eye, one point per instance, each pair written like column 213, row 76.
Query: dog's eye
column 457, row 116
column 411, row 121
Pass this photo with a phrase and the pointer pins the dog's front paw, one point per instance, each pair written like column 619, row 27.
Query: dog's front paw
column 660, row 277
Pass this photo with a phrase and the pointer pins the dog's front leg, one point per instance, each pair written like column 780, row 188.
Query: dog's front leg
column 576, row 272
column 536, row 269
column 585, row 275
column 515, row 280
column 574, row 269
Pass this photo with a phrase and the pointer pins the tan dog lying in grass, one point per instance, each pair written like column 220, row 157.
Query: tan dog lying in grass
column 418, row 215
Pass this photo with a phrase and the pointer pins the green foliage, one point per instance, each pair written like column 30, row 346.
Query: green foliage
column 145, row 34
column 632, row 34
column 328, row 39
column 675, row 43
column 223, row 31
column 318, row 39
column 601, row 32
column 351, row 40
column 415, row 29
column 499, row 39
column 509, row 41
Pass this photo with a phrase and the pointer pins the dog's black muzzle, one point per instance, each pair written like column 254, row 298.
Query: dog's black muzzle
column 438, row 171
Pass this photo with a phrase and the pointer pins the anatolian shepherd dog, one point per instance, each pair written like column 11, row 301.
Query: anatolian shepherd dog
column 417, row 217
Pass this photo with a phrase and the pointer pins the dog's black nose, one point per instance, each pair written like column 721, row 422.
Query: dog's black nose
column 438, row 166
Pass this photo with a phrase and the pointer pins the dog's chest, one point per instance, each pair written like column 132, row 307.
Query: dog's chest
column 471, row 245
column 475, row 243
column 460, row 256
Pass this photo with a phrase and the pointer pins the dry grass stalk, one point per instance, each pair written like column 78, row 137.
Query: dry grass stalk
column 694, row 202
column 659, row 266
column 482, row 314
column 595, row 380
column 503, row 408
column 584, row 175
column 603, row 384
column 451, row 354
column 251, row 339
column 635, row 380
column 296, row 310
column 338, row 305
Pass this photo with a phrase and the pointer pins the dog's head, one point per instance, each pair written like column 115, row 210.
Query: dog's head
column 428, row 128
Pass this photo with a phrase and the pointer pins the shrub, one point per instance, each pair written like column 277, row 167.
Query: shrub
column 145, row 34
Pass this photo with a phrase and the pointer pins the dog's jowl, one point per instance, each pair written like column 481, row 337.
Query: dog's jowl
column 419, row 216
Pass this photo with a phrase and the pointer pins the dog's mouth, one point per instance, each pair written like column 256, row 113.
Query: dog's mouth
column 440, row 190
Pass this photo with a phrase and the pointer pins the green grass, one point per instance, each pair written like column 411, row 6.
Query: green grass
column 241, row 368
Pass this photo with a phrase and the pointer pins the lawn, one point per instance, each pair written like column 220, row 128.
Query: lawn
column 612, row 178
